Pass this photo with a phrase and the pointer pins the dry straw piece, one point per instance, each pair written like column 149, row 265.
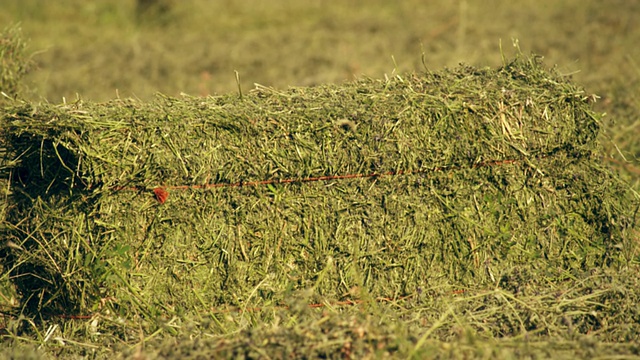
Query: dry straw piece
column 493, row 168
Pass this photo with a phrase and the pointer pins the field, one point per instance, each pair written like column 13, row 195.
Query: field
column 497, row 241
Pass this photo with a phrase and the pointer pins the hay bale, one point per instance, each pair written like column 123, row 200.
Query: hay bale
column 449, row 174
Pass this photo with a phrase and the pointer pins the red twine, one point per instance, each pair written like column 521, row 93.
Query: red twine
column 161, row 194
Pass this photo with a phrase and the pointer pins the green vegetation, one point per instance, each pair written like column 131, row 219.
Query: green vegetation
column 478, row 211
column 15, row 63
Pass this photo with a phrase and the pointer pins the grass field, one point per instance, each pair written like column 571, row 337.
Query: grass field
column 584, row 304
column 99, row 50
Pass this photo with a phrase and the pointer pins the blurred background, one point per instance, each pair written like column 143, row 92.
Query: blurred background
column 101, row 49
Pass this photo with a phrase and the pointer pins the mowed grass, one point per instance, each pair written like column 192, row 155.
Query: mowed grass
column 99, row 50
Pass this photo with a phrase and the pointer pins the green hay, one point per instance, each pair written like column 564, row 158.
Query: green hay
column 592, row 314
column 503, row 324
column 501, row 168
